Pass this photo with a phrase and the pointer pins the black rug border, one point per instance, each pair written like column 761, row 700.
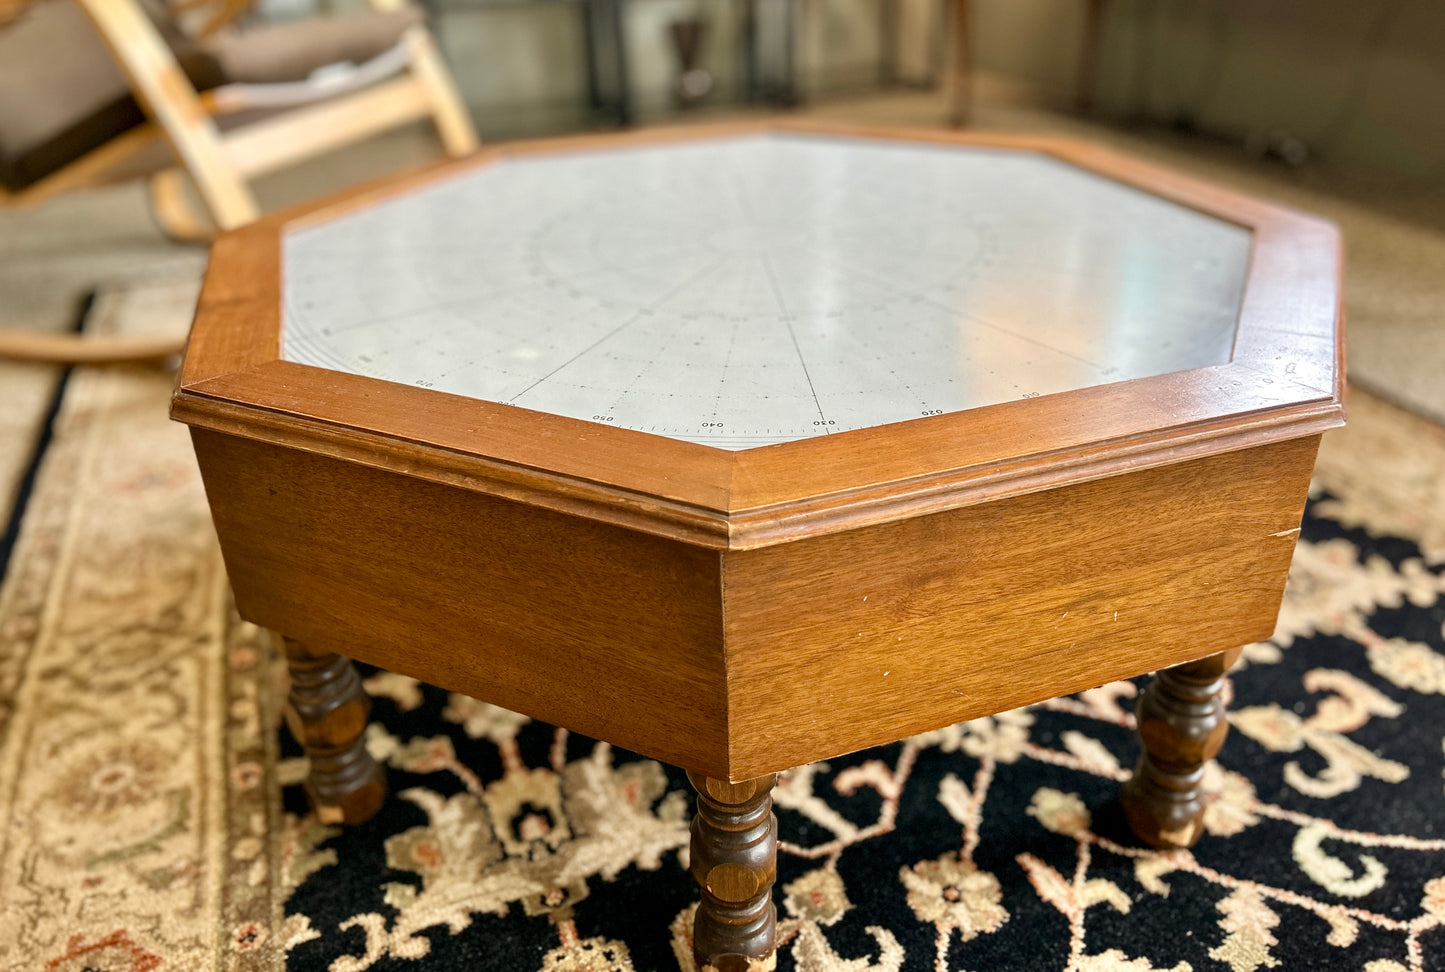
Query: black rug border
column 11, row 535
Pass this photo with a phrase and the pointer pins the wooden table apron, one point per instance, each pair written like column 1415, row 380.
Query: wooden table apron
column 741, row 663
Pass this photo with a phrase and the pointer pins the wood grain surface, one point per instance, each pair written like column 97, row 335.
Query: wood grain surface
column 742, row 663
column 733, row 857
column 1182, row 725
column 327, row 710
column 841, row 642
column 603, row 630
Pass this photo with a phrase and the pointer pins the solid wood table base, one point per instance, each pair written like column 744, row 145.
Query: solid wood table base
column 736, row 611
column 1123, row 526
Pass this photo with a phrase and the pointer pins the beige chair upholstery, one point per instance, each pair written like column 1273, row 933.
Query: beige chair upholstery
column 292, row 51
column 61, row 94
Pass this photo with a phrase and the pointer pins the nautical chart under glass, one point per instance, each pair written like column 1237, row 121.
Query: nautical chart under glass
column 741, row 291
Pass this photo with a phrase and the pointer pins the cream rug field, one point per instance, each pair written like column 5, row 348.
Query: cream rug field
column 137, row 743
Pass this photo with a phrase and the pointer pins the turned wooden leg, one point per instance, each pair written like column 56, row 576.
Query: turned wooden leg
column 734, row 861
column 327, row 712
column 1182, row 725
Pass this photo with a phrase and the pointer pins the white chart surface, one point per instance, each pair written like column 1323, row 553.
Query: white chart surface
column 757, row 289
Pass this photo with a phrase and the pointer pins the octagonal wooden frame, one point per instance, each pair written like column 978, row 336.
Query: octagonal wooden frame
column 1285, row 380
column 737, row 613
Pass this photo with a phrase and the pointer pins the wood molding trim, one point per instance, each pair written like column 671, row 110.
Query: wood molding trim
column 1285, row 381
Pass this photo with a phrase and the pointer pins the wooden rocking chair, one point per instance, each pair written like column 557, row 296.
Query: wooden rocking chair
column 228, row 106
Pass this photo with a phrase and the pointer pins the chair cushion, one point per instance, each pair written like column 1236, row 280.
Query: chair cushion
column 61, row 94
column 291, row 51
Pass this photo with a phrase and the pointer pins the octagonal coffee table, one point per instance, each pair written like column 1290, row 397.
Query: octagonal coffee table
column 742, row 448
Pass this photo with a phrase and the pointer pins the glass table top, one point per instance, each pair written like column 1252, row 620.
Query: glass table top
column 741, row 291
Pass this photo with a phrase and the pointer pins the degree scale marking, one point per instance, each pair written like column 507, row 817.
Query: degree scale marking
column 607, row 337
column 740, row 194
column 792, row 334
column 646, row 285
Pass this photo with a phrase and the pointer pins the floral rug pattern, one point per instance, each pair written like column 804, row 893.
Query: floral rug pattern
column 151, row 817
column 137, row 785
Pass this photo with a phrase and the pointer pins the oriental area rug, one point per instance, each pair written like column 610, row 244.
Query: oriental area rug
column 151, row 816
